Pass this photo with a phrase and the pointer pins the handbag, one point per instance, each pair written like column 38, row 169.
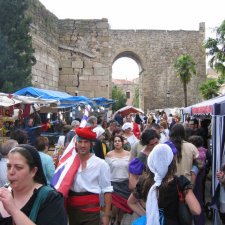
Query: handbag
column 184, row 214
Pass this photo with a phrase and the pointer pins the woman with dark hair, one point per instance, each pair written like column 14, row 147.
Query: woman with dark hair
column 149, row 138
column 28, row 200
column 20, row 136
column 159, row 190
column 126, row 144
column 118, row 160
column 186, row 152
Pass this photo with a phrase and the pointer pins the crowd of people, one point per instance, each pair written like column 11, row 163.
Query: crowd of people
column 131, row 164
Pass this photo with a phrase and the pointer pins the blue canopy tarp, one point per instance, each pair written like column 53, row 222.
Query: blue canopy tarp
column 103, row 101
column 42, row 93
column 63, row 97
column 76, row 99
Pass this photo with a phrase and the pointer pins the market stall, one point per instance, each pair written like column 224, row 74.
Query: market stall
column 215, row 109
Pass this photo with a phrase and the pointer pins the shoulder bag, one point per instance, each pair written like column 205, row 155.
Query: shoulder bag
column 184, row 214
column 41, row 196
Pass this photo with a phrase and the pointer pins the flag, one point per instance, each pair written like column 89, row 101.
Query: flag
column 66, row 170
column 69, row 163
column 85, row 116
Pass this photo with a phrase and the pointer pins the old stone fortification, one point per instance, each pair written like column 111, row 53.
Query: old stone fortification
column 72, row 53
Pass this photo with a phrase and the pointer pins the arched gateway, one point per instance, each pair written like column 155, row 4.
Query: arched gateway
column 77, row 56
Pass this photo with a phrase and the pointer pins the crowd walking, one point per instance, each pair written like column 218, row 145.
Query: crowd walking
column 132, row 165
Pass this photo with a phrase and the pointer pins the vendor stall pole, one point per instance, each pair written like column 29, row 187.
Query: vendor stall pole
column 218, row 139
column 73, row 112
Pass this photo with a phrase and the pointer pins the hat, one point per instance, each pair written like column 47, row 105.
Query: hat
column 85, row 133
column 158, row 162
column 127, row 126
column 99, row 131
column 75, row 123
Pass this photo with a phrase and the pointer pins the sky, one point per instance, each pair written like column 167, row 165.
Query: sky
column 142, row 14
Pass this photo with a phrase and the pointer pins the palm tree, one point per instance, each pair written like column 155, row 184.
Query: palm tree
column 185, row 69
column 210, row 88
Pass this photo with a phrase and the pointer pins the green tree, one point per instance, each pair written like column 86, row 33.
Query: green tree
column 215, row 49
column 185, row 69
column 136, row 97
column 210, row 88
column 16, row 52
column 119, row 96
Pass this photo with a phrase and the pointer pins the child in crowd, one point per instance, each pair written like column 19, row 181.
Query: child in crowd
column 198, row 175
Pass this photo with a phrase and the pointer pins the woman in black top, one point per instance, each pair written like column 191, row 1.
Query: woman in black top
column 26, row 177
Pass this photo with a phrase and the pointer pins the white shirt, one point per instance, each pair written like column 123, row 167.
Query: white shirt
column 118, row 168
column 132, row 140
column 95, row 178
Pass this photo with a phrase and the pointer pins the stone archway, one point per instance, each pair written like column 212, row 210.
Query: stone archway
column 127, row 85
column 71, row 52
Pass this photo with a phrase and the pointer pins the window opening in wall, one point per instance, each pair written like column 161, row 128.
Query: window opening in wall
column 128, row 95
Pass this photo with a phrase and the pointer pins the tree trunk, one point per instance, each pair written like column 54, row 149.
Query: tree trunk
column 185, row 94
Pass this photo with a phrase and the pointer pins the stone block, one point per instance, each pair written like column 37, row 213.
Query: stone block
column 84, row 78
column 66, row 71
column 102, row 25
column 71, row 90
column 87, row 72
column 88, row 64
column 65, row 64
column 78, row 64
column 101, row 71
column 92, row 78
column 98, row 65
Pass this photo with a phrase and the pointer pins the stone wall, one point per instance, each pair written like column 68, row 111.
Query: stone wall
column 84, row 57
column 76, row 56
column 44, row 31
column 155, row 51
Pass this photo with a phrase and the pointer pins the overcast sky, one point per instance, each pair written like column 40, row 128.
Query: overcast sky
column 144, row 14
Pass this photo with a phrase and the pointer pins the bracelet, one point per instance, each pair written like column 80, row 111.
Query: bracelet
column 107, row 214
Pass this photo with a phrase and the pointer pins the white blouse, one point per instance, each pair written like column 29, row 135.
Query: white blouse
column 95, row 178
column 118, row 168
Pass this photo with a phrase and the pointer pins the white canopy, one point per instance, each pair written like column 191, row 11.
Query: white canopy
column 7, row 100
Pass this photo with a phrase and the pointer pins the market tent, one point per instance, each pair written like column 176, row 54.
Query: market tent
column 127, row 110
column 218, row 145
column 214, row 107
column 8, row 100
column 42, row 93
column 33, row 100
column 204, row 108
column 76, row 99
column 105, row 102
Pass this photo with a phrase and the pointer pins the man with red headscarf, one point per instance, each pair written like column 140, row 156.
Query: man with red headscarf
column 91, row 179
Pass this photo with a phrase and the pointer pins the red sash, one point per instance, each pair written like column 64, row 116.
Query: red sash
column 86, row 203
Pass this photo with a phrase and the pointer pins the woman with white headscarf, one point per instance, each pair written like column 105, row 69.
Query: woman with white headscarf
column 128, row 133
column 100, row 148
column 159, row 190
